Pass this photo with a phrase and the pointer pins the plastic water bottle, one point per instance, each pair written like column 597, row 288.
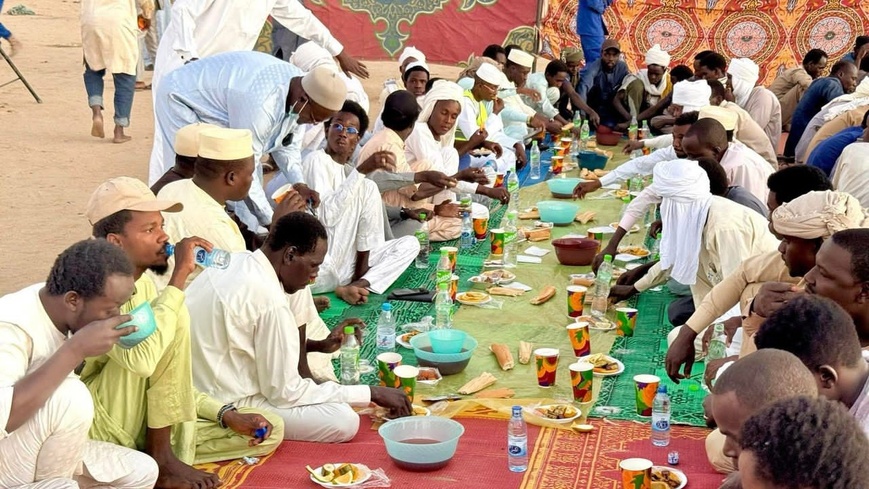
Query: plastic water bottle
column 661, row 418
column 468, row 240
column 445, row 271
column 216, row 259
column 517, row 442
column 655, row 252
column 573, row 152
column 443, row 307
column 600, row 298
column 717, row 345
column 584, row 135
column 350, row 358
column 424, row 246
column 385, row 329
column 645, row 134
column 633, row 129
column 535, row 160
column 511, row 230
column 513, row 188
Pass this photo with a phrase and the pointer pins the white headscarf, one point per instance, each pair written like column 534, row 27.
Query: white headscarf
column 685, row 198
column 692, row 95
column 744, row 74
column 819, row 214
column 859, row 98
column 310, row 55
column 411, row 52
column 657, row 56
column 441, row 90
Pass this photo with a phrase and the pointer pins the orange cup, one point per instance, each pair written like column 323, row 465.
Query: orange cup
column 557, row 164
column 454, row 287
column 575, row 300
column 646, row 388
column 481, row 227
column 453, row 253
column 547, row 365
column 281, row 193
column 636, row 473
column 582, row 380
column 580, row 339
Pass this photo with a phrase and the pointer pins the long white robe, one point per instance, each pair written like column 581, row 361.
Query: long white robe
column 475, row 112
column 851, row 173
column 351, row 210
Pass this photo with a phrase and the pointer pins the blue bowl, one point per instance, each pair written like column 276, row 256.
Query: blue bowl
column 446, row 363
column 558, row 213
column 562, row 188
column 592, row 160
column 423, row 443
column 447, row 341
column 143, row 318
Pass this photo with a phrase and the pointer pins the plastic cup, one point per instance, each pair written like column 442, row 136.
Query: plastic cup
column 454, row 287
column 557, row 164
column 407, row 379
column 481, row 227
column 453, row 253
column 566, row 142
column 580, row 339
column 281, row 193
column 386, row 364
column 497, row 241
column 636, row 473
column 142, row 317
column 582, row 380
column 499, row 180
column 575, row 300
column 646, row 388
column 626, row 321
column 547, row 365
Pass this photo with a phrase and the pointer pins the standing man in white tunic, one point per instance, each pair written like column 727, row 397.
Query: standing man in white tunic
column 202, row 28
column 45, row 410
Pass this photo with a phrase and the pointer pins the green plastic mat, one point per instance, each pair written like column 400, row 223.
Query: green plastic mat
column 644, row 353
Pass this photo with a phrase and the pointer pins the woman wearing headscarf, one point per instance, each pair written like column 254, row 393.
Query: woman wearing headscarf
column 644, row 94
column 431, row 146
column 760, row 103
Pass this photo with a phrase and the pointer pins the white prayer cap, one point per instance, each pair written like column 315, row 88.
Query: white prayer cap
column 311, row 55
column 745, row 69
column 225, row 144
column 692, row 95
column 187, row 139
column 521, row 58
column 411, row 52
column 727, row 118
column 325, row 87
column 417, row 64
column 490, row 74
column 657, row 56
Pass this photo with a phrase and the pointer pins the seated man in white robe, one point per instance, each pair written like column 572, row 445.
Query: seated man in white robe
column 246, row 344
column 851, row 173
column 480, row 122
column 760, row 103
column 359, row 260
column 46, row 332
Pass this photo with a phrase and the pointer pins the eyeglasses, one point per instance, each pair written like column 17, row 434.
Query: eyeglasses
column 350, row 130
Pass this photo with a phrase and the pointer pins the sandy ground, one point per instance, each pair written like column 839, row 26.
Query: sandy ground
column 50, row 163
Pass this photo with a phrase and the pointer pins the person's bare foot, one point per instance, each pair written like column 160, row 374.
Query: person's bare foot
column 120, row 137
column 15, row 44
column 175, row 474
column 322, row 303
column 352, row 294
column 97, row 128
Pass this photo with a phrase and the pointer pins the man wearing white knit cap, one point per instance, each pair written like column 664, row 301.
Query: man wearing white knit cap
column 760, row 103
column 522, row 111
column 480, row 124
column 186, row 150
column 409, row 55
column 258, row 92
column 643, row 95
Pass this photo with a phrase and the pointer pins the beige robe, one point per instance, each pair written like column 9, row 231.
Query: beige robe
column 109, row 34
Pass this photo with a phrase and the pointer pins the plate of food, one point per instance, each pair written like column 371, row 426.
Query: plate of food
column 604, row 365
column 670, row 477
column 420, row 410
column 635, row 228
column 596, row 324
column 634, row 250
column 556, row 413
column 428, row 376
column 404, row 339
column 498, row 277
column 339, row 474
column 473, row 298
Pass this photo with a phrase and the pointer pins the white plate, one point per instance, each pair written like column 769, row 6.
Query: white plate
column 611, row 374
column 484, row 301
column 679, row 473
column 612, row 193
column 602, row 229
column 534, row 412
column 626, row 250
column 635, row 228
column 625, row 258
column 364, row 476
column 605, row 325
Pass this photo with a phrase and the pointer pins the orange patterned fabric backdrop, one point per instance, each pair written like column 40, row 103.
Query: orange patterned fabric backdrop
column 775, row 34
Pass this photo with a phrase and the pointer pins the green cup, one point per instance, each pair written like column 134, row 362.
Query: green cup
column 386, row 364
column 626, row 321
column 407, row 379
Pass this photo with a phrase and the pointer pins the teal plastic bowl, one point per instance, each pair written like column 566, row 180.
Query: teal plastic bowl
column 447, row 341
column 562, row 188
column 143, row 318
column 423, row 443
column 591, row 160
column 446, row 363
column 558, row 213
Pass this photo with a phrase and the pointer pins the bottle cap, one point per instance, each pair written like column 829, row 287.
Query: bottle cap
column 169, row 249
column 422, row 215
column 608, row 258
column 534, row 143
column 517, row 410
column 386, row 306
column 662, row 389
column 445, row 251
column 348, row 329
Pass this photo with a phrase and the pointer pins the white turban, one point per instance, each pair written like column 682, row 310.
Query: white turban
column 685, row 198
column 411, row 52
column 490, row 74
column 819, row 214
column 744, row 74
column 657, row 56
column 441, row 90
column 692, row 95
column 310, row 55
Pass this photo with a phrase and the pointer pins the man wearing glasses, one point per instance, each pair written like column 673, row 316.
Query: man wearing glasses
column 257, row 92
